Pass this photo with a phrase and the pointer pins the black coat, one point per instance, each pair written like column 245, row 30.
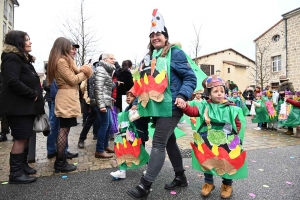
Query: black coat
column 20, row 86
column 249, row 93
column 126, row 78
column 46, row 87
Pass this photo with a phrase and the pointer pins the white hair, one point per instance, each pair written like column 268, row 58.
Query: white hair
column 105, row 55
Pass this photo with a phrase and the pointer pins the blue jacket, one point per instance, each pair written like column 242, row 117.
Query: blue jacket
column 53, row 90
column 183, row 79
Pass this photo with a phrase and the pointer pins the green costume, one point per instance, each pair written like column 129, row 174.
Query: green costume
column 218, row 149
column 130, row 152
column 261, row 113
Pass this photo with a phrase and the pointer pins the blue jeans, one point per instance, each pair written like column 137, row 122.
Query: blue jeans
column 103, row 132
column 208, row 178
column 54, row 130
column 259, row 124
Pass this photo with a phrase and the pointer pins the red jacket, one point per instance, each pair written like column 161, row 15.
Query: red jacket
column 193, row 111
column 293, row 102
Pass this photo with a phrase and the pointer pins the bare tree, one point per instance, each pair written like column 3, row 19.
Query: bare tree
column 79, row 30
column 195, row 44
column 262, row 71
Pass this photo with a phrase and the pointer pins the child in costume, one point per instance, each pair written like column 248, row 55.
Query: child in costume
column 261, row 112
column 284, row 116
column 271, row 107
column 294, row 115
column 198, row 95
column 297, row 96
column 139, row 127
column 218, row 142
column 238, row 101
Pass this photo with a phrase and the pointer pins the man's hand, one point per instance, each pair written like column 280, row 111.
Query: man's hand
column 103, row 110
column 35, row 98
column 120, row 82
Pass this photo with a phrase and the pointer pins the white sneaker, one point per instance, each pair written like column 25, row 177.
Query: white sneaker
column 258, row 128
column 119, row 174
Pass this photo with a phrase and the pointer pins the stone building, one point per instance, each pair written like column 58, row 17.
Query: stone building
column 277, row 52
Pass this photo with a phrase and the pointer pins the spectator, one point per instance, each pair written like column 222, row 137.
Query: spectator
column 21, row 100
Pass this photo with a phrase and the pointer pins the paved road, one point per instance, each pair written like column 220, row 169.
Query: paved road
column 279, row 165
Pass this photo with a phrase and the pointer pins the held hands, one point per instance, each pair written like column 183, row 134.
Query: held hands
column 119, row 82
column 180, row 103
column 103, row 109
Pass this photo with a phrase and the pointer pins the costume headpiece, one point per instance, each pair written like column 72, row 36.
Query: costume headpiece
column 214, row 81
column 258, row 94
column 288, row 93
column 158, row 24
column 298, row 93
column 269, row 93
column 263, row 93
column 234, row 91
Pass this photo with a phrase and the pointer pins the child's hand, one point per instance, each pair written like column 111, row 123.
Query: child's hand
column 134, row 107
column 183, row 105
column 252, row 116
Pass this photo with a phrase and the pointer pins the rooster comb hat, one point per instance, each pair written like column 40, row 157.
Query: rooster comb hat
column 158, row 24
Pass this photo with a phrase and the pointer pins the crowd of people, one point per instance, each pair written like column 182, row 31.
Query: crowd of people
column 159, row 92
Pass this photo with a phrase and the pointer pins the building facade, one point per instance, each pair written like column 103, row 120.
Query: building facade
column 228, row 64
column 277, row 52
column 7, row 8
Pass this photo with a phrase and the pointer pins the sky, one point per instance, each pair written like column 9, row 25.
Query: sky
column 123, row 25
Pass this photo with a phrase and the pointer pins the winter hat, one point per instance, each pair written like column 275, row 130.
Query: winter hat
column 263, row 93
column 214, row 81
column 75, row 45
column 288, row 93
column 158, row 24
column 298, row 93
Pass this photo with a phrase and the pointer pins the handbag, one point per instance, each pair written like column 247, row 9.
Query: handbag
column 41, row 123
column 252, row 110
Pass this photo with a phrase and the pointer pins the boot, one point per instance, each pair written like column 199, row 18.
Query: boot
column 179, row 181
column 141, row 191
column 226, row 191
column 3, row 137
column 61, row 165
column 27, row 169
column 17, row 174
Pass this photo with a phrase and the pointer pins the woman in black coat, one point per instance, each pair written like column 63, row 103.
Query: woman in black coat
column 123, row 75
column 21, row 100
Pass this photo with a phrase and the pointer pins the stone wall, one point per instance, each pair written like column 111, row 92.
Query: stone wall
column 272, row 49
column 293, row 49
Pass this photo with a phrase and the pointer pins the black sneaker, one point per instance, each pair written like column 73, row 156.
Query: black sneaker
column 80, row 144
column 71, row 155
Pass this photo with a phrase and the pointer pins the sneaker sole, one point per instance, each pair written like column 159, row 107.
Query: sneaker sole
column 208, row 193
column 117, row 177
column 12, row 182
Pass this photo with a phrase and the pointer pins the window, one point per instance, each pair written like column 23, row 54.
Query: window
column 276, row 38
column 276, row 63
column 8, row 29
column 5, row 9
column 208, row 69
column 10, row 14
column 228, row 70
column 4, row 30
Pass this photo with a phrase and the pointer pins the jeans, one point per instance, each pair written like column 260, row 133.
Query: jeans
column 103, row 132
column 259, row 125
column 164, row 138
column 208, row 178
column 91, row 119
column 54, row 130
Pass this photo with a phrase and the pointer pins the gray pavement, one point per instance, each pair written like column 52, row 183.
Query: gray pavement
column 279, row 165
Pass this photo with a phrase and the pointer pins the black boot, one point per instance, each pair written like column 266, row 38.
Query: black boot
column 61, row 165
column 179, row 181
column 141, row 191
column 3, row 137
column 17, row 174
column 27, row 169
